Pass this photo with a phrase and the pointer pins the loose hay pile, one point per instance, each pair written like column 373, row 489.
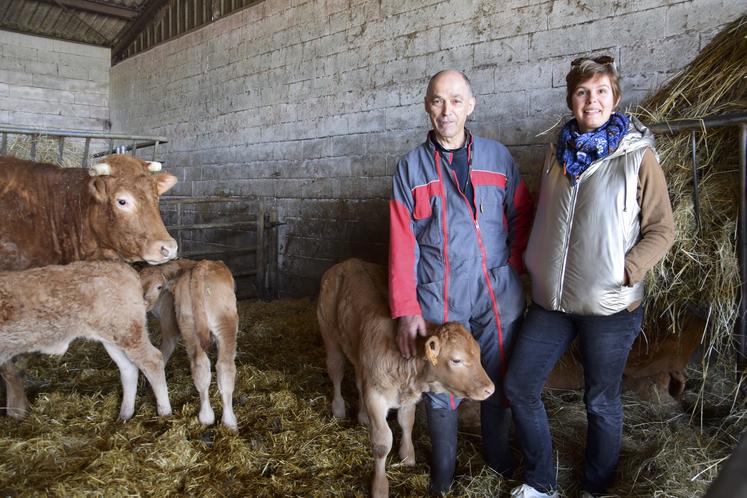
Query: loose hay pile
column 288, row 443
column 47, row 149
column 702, row 267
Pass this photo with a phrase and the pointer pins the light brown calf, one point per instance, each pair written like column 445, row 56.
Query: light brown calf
column 354, row 322
column 45, row 309
column 198, row 298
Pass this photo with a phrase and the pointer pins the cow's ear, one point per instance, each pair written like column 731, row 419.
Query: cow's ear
column 164, row 181
column 432, row 349
column 97, row 188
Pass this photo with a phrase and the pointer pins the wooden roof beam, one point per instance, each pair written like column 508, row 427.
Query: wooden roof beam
column 97, row 7
column 133, row 28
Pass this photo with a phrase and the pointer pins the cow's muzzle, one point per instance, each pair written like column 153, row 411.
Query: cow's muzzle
column 160, row 251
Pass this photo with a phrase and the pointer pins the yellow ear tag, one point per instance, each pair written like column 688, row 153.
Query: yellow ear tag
column 431, row 351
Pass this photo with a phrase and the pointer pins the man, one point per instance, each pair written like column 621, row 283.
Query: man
column 460, row 217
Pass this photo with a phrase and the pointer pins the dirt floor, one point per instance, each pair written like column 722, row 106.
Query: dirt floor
column 288, row 443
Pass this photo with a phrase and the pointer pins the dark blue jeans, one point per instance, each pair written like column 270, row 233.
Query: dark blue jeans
column 605, row 344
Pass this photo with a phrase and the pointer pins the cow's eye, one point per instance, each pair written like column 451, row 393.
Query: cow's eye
column 122, row 202
column 159, row 287
column 456, row 361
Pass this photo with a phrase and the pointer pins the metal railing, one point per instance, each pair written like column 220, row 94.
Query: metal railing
column 695, row 125
column 135, row 142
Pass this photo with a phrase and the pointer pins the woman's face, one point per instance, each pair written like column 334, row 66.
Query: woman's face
column 593, row 102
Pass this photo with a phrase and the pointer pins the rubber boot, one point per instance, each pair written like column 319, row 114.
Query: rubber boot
column 442, row 428
column 495, row 422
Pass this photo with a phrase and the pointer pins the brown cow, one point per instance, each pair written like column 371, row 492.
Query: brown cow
column 354, row 321
column 198, row 298
column 45, row 309
column 655, row 370
column 53, row 215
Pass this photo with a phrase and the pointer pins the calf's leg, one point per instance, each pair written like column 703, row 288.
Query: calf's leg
column 199, row 363
column 406, row 419
column 169, row 328
column 226, row 368
column 137, row 349
column 128, row 375
column 381, row 441
column 16, row 400
column 336, row 371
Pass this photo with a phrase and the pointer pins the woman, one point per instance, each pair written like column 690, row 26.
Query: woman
column 603, row 219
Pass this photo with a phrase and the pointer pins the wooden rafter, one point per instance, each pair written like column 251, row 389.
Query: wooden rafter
column 133, row 28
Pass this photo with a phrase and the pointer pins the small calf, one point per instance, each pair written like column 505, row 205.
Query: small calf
column 197, row 299
column 354, row 322
column 45, row 309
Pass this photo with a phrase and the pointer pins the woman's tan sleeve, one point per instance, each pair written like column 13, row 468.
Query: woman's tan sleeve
column 657, row 223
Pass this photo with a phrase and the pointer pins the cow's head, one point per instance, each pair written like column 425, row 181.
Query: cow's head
column 125, row 215
column 453, row 360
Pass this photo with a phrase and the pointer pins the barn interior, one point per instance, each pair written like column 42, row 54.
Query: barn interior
column 283, row 121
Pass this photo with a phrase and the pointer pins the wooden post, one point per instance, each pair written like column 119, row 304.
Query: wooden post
column 261, row 279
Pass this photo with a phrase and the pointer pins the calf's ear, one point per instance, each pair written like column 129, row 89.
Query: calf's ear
column 164, row 181
column 97, row 188
column 432, row 349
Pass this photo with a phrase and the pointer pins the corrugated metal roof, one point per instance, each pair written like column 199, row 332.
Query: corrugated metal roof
column 96, row 22
column 126, row 26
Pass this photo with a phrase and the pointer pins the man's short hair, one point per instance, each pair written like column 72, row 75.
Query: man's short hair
column 435, row 76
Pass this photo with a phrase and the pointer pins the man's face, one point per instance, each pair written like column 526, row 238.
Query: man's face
column 448, row 104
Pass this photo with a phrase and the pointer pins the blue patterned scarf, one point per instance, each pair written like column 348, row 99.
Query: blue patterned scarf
column 576, row 150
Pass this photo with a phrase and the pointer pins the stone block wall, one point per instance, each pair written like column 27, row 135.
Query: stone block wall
column 308, row 104
column 46, row 83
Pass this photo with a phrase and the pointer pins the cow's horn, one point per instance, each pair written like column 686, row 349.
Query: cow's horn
column 154, row 166
column 100, row 169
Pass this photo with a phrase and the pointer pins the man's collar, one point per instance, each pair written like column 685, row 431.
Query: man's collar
column 434, row 145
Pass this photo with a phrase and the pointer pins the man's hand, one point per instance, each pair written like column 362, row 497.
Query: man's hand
column 408, row 328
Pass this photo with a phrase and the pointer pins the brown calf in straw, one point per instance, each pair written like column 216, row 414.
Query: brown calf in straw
column 45, row 309
column 198, row 298
column 354, row 321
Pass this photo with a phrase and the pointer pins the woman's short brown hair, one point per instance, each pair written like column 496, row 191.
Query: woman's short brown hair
column 585, row 68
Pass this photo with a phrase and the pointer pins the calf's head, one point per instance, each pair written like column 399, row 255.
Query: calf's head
column 453, row 358
column 153, row 282
column 124, row 214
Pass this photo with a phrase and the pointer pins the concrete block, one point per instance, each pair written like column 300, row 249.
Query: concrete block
column 368, row 121
column 22, row 52
column 40, row 67
column 567, row 41
column 31, row 93
column 498, row 52
column 91, row 51
column 530, row 75
column 348, row 145
column 403, row 117
column 671, row 53
column 15, row 77
column 461, row 58
column 514, row 104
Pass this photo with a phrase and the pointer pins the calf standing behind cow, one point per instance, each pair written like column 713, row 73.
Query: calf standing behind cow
column 45, row 309
column 354, row 322
column 197, row 299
